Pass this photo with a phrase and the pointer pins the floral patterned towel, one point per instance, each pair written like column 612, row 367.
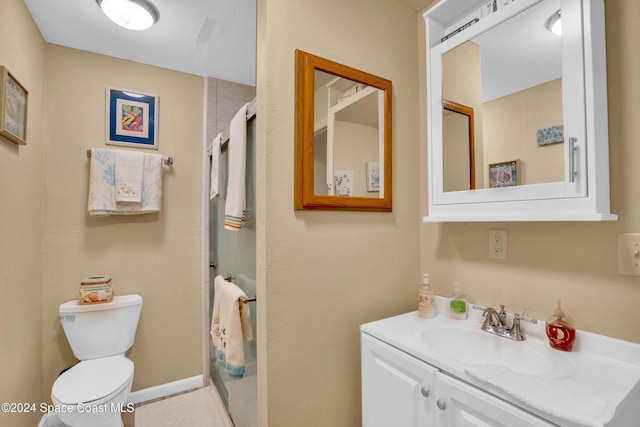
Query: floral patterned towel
column 102, row 185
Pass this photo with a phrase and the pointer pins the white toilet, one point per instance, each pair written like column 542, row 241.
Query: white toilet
column 93, row 392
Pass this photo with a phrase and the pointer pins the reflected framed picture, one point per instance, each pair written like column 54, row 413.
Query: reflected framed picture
column 373, row 176
column 343, row 181
column 504, row 174
column 132, row 118
column 550, row 135
column 13, row 108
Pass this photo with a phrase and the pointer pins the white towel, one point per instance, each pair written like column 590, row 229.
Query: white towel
column 215, row 167
column 552, row 396
column 129, row 171
column 230, row 326
column 102, row 185
column 235, row 199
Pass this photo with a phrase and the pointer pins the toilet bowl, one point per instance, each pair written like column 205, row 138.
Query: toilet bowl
column 94, row 392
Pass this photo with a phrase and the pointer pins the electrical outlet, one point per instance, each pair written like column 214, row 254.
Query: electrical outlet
column 498, row 244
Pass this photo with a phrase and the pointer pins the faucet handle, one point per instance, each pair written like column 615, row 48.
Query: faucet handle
column 525, row 318
column 502, row 315
column 516, row 331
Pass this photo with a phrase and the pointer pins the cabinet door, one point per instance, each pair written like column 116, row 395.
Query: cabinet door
column 397, row 389
column 460, row 405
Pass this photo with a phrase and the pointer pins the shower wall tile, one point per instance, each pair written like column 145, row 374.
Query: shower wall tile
column 224, row 99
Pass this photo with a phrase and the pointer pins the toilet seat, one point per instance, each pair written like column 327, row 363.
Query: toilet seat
column 92, row 380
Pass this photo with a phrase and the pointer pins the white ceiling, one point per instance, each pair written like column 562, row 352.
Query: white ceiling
column 520, row 53
column 209, row 38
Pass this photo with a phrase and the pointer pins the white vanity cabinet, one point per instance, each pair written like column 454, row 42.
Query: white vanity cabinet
column 397, row 389
column 460, row 404
column 400, row 390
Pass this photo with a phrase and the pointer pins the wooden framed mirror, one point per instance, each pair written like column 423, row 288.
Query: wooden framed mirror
column 342, row 137
column 458, row 147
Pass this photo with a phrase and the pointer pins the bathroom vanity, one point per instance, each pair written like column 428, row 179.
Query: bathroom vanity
column 445, row 372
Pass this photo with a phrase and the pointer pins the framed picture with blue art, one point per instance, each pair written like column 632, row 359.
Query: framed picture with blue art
column 132, row 118
column 373, row 176
column 504, row 174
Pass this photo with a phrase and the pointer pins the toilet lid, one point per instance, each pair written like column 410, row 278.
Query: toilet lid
column 92, row 380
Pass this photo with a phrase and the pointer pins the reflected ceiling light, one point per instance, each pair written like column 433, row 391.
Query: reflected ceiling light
column 554, row 23
column 130, row 14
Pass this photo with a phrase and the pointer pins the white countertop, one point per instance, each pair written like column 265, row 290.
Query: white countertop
column 599, row 370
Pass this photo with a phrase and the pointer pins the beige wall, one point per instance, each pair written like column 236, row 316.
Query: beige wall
column 22, row 51
column 575, row 262
column 322, row 274
column 157, row 256
column 461, row 83
column 354, row 145
column 510, row 126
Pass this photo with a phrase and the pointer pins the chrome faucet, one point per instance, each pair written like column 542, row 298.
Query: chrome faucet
column 495, row 322
column 492, row 320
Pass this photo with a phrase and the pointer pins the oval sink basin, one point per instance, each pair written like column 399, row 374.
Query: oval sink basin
column 474, row 347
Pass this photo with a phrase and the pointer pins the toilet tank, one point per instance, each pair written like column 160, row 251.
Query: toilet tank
column 100, row 330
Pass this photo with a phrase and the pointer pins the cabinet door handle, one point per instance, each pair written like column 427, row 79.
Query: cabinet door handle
column 572, row 161
column 425, row 391
column 441, row 404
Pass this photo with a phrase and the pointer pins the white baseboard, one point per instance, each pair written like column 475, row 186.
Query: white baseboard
column 166, row 389
column 52, row 420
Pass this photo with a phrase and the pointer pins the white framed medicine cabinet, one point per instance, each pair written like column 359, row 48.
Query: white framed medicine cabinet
column 540, row 107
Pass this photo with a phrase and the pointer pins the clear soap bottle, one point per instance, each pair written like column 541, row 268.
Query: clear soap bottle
column 458, row 303
column 426, row 302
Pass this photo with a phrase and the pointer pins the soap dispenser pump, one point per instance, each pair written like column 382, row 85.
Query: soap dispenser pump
column 560, row 333
column 458, row 303
column 426, row 302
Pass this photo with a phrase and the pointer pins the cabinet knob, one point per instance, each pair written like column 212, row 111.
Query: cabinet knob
column 425, row 391
column 441, row 404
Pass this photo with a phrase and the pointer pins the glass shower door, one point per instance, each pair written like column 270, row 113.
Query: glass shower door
column 234, row 253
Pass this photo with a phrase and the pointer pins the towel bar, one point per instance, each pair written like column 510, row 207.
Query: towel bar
column 167, row 160
column 244, row 300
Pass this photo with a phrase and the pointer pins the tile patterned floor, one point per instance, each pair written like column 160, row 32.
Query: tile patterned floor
column 197, row 408
column 200, row 407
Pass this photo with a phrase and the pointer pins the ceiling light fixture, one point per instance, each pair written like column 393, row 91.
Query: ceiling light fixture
column 130, row 14
column 554, row 23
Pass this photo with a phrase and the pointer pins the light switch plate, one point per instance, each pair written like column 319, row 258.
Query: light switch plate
column 498, row 244
column 629, row 254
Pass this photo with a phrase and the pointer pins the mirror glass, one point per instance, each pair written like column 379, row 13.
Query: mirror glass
column 347, row 137
column 343, row 137
column 511, row 77
column 459, row 151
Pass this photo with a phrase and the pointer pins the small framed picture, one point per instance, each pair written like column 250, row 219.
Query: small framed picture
column 132, row 118
column 504, row 174
column 13, row 108
column 373, row 176
column 550, row 135
column 343, row 181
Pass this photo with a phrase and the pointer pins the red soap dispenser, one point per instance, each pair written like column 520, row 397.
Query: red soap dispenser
column 561, row 335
